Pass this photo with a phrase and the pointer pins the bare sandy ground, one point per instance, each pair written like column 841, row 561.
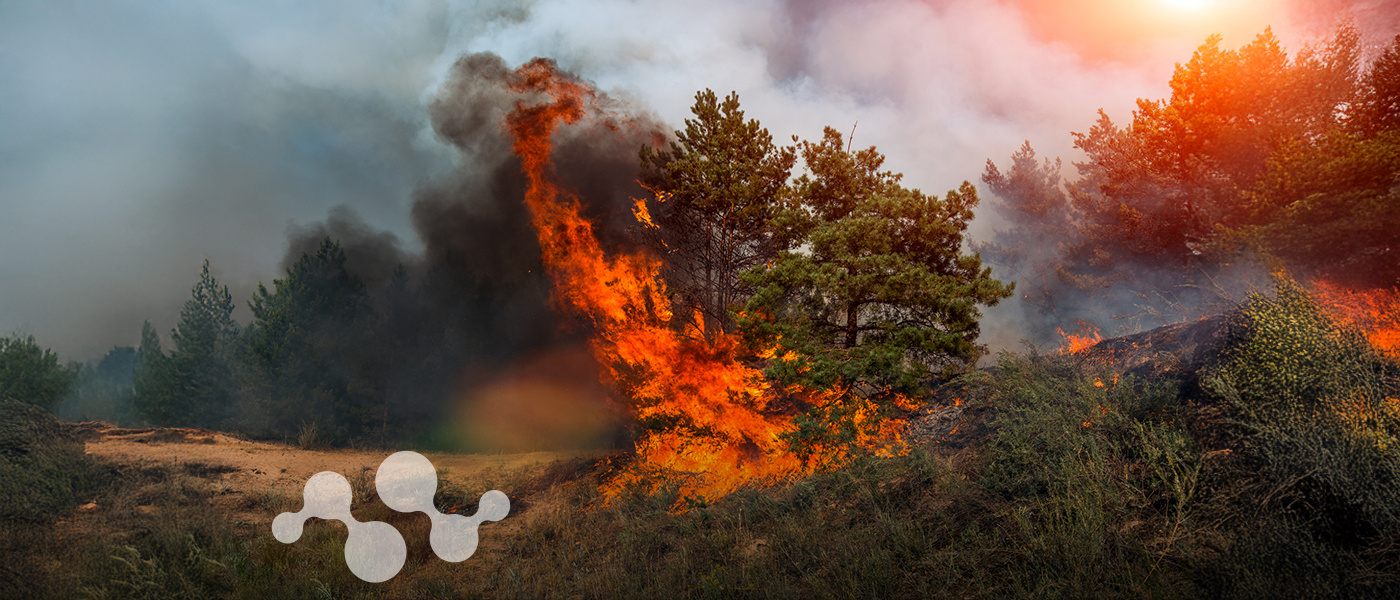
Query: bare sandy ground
column 239, row 467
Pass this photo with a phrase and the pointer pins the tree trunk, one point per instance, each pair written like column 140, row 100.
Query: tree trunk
column 852, row 324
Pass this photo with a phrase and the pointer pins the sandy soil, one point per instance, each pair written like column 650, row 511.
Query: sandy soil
column 239, row 467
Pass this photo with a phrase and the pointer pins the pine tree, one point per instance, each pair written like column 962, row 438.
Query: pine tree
column 717, row 188
column 1377, row 107
column 310, row 360
column 875, row 293
column 30, row 373
column 192, row 386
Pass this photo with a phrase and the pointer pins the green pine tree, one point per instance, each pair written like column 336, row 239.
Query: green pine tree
column 32, row 374
column 193, row 385
column 875, row 295
column 718, row 187
column 310, row 357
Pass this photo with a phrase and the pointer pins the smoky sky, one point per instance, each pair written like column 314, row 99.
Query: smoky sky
column 139, row 138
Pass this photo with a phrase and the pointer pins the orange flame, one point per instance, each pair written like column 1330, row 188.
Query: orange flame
column 1087, row 336
column 1375, row 312
column 639, row 210
column 722, row 431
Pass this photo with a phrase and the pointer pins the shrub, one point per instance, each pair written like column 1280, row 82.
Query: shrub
column 1101, row 475
column 32, row 374
column 42, row 466
column 1314, row 426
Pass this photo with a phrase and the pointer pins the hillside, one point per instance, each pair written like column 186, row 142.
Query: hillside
column 1250, row 455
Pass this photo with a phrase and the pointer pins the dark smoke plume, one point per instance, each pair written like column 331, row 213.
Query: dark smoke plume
column 478, row 285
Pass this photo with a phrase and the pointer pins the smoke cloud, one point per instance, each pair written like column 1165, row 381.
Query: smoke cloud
column 139, row 138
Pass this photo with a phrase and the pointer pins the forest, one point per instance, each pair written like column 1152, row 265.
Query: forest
column 764, row 313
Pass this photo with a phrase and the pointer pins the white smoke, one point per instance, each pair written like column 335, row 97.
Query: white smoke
column 138, row 138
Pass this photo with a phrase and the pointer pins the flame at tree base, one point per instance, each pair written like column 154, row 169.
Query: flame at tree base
column 707, row 421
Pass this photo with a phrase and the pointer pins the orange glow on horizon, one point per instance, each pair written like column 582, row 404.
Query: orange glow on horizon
column 1118, row 31
column 1188, row 5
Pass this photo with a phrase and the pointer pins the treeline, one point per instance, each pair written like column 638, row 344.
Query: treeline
column 327, row 359
column 1256, row 158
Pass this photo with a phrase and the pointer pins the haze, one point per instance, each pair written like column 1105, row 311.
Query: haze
column 138, row 138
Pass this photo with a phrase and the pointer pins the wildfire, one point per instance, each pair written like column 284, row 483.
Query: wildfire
column 1087, row 336
column 722, row 432
column 1375, row 312
column 640, row 210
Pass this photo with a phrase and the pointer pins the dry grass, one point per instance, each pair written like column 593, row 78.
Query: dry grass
column 1079, row 489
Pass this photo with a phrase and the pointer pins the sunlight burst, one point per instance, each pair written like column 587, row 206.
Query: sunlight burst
column 1188, row 5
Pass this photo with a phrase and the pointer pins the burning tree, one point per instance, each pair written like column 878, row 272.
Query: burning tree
column 886, row 257
column 716, row 191
column 873, row 297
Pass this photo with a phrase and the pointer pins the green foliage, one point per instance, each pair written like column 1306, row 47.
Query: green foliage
column 1377, row 107
column 309, row 357
column 1090, row 487
column 105, row 391
column 1030, row 197
column 867, row 530
column 192, row 385
column 830, row 432
column 717, row 189
column 194, row 574
column 1330, row 205
column 1255, row 156
column 1058, row 424
column 42, row 467
column 156, row 382
column 1102, row 474
column 918, row 526
column 1312, row 493
column 1177, row 171
column 32, row 374
column 1317, row 413
column 874, row 289
column 324, row 356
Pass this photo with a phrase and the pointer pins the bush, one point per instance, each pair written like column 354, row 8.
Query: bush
column 1316, row 432
column 32, row 374
column 42, row 466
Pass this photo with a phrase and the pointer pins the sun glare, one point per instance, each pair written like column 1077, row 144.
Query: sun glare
column 1187, row 5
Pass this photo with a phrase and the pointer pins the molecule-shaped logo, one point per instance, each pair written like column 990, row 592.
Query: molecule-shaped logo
column 406, row 482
